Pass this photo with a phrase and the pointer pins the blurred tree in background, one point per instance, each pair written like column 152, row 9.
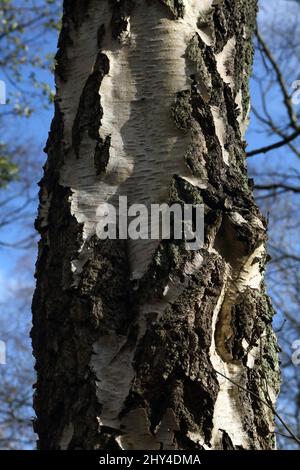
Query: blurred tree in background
column 23, row 26
column 27, row 28
column 274, row 161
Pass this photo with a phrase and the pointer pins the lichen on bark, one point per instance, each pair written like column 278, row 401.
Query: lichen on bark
column 182, row 110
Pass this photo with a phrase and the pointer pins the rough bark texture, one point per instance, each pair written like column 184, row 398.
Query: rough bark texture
column 141, row 345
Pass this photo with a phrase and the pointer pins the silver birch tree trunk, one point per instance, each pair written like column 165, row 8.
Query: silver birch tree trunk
column 141, row 344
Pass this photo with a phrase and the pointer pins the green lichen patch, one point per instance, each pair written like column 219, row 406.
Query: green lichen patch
column 250, row 317
column 195, row 53
column 182, row 110
column 238, row 19
column 264, row 381
column 194, row 158
column 247, row 53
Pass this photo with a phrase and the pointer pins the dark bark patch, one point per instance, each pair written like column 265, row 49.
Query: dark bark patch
column 77, row 10
column 176, row 7
column 90, row 112
column 121, row 11
column 61, row 57
column 101, row 157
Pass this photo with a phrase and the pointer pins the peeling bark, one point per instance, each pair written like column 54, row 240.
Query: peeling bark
column 141, row 344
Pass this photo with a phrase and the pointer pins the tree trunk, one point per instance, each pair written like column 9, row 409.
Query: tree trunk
column 138, row 344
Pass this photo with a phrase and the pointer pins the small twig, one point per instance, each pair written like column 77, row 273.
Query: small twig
column 276, row 186
column 286, row 140
column 280, row 79
column 269, row 405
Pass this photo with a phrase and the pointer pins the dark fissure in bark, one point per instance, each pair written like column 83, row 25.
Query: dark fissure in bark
column 74, row 14
column 121, row 11
column 101, row 157
column 90, row 112
column 176, row 7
